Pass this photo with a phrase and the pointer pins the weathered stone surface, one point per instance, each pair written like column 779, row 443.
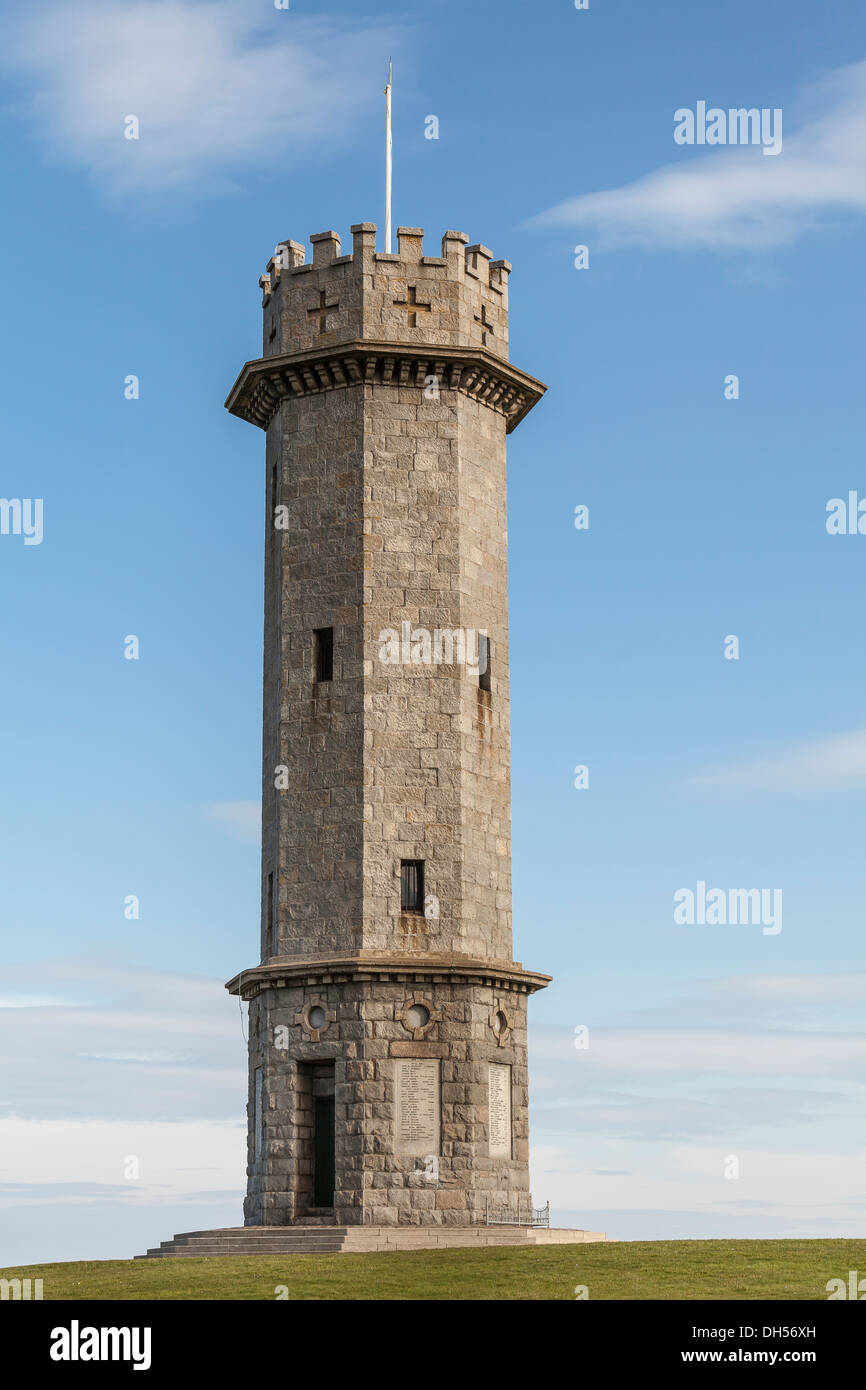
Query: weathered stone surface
column 386, row 394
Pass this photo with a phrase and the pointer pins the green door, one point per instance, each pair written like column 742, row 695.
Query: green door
column 323, row 1144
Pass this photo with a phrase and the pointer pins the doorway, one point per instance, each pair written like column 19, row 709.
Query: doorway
column 323, row 1151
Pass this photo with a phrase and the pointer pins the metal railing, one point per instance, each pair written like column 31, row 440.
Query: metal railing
column 502, row 1215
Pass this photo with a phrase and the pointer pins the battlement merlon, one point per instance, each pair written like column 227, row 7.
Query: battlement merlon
column 458, row 299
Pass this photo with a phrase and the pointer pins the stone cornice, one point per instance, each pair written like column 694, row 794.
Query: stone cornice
column 265, row 382
column 378, row 967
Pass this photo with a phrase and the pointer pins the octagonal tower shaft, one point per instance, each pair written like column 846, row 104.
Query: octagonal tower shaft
column 386, row 395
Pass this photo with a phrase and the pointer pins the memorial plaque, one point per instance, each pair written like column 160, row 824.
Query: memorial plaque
column 499, row 1102
column 418, row 1106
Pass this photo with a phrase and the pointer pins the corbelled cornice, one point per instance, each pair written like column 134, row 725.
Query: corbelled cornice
column 373, row 966
column 264, row 383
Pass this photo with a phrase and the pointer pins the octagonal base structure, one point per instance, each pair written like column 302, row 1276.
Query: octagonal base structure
column 384, row 1093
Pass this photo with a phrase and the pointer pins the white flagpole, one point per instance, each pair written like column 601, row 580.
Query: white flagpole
column 388, row 162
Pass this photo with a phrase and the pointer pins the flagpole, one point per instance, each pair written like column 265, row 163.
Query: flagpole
column 388, row 162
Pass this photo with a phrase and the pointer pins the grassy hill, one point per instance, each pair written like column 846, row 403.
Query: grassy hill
column 652, row 1270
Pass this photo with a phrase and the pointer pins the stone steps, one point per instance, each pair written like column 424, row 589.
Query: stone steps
column 250, row 1240
column 324, row 1240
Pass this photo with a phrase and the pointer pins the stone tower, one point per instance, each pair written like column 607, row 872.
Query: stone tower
column 387, row 1021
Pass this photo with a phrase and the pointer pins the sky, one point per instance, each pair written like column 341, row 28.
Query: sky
column 689, row 1080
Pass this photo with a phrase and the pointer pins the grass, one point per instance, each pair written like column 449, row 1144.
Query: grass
column 651, row 1270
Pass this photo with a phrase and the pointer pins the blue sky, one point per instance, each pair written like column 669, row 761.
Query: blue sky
column 707, row 518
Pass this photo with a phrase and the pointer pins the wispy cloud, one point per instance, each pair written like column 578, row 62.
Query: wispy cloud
column 110, row 1063
column 242, row 819
column 121, row 1043
column 38, row 1001
column 219, row 86
column 820, row 765
column 660, row 1053
column 793, row 990
column 60, row 1160
column 735, row 1069
column 735, row 198
column 788, row 1192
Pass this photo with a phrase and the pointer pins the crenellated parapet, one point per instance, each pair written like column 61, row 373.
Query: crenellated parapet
column 438, row 322
column 457, row 299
